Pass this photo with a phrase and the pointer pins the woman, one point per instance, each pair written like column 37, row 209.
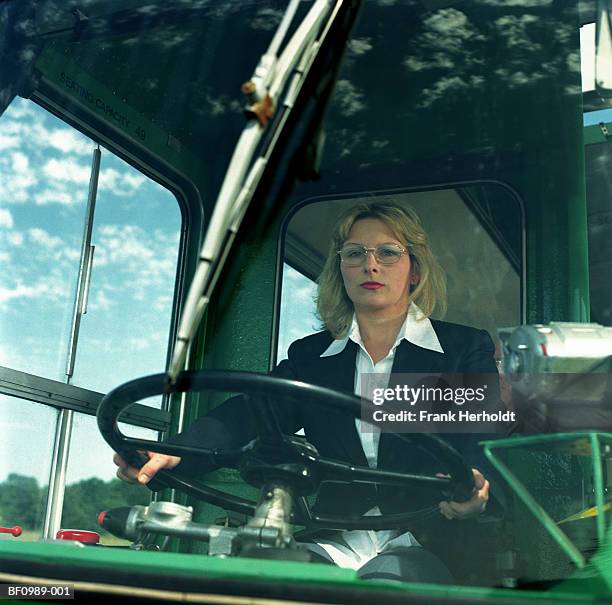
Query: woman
column 377, row 290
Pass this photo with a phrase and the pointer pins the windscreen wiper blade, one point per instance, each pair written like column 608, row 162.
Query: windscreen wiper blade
column 270, row 79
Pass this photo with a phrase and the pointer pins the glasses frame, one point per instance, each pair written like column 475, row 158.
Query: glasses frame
column 373, row 251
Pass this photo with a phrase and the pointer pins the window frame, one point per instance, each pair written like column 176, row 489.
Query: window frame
column 280, row 254
column 67, row 398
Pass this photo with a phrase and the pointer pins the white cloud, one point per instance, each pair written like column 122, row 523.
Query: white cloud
column 216, row 104
column 349, row 139
column 101, row 302
column 10, row 127
column 445, row 43
column 120, row 183
column 175, row 39
column 44, row 238
column 9, row 358
column 349, row 98
column 70, row 141
column 359, row 46
column 108, row 178
column 20, row 162
column 67, row 169
column 517, row 34
column 448, row 29
column 162, row 304
column 55, row 250
column 56, row 196
column 20, row 108
column 16, row 178
column 450, row 85
column 139, row 259
column 42, row 141
column 121, row 243
column 15, row 238
column 102, row 345
column 55, row 287
column 378, row 144
column 304, row 294
column 7, row 142
column 19, row 291
column 451, row 42
column 33, row 149
column 573, row 61
column 6, row 218
column 134, row 180
column 52, row 286
column 137, row 344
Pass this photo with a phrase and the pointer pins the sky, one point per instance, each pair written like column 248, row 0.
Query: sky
column 297, row 317
column 595, row 117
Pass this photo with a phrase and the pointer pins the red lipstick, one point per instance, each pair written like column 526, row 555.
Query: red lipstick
column 371, row 285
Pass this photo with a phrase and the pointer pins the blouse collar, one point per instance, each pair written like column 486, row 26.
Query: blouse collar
column 416, row 329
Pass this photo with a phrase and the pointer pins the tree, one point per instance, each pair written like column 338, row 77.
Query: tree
column 21, row 501
column 84, row 500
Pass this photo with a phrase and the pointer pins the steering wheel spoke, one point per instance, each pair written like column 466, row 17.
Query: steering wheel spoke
column 332, row 470
column 216, row 457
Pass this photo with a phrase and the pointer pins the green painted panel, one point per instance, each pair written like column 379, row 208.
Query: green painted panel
column 149, row 567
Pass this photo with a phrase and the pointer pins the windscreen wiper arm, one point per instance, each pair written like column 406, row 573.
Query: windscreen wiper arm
column 270, row 79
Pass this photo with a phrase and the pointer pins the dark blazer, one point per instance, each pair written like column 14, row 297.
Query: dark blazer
column 466, row 350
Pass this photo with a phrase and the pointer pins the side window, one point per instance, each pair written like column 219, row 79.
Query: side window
column 44, row 176
column 86, row 295
column 26, row 452
column 298, row 309
column 136, row 232
column 475, row 233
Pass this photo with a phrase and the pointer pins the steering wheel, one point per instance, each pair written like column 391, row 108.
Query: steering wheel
column 274, row 455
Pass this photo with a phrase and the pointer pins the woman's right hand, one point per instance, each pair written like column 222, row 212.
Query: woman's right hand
column 144, row 474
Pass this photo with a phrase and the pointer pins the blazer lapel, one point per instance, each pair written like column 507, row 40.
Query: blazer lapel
column 412, row 358
column 338, row 372
column 409, row 358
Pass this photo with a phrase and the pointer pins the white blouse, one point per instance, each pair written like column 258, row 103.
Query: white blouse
column 359, row 546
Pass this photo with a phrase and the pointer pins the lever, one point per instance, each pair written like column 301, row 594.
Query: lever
column 14, row 531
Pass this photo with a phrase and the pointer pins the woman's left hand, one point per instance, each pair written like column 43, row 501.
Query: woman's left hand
column 472, row 507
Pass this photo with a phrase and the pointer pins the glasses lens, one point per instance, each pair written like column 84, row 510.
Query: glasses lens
column 352, row 255
column 388, row 254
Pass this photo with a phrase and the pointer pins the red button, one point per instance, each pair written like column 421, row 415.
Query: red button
column 80, row 535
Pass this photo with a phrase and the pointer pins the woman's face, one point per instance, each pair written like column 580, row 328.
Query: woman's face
column 375, row 288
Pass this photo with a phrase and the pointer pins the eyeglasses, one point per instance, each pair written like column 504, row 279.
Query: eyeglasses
column 354, row 255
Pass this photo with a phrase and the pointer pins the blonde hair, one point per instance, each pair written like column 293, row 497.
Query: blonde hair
column 334, row 307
